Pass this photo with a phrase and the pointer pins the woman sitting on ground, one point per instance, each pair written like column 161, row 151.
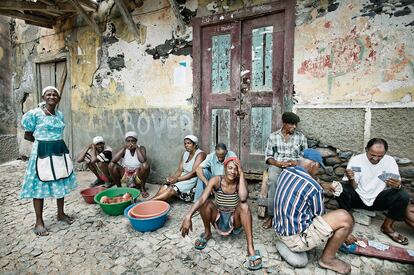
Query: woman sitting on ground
column 183, row 182
column 229, row 212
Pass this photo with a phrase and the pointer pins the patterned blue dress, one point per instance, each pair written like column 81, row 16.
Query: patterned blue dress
column 47, row 128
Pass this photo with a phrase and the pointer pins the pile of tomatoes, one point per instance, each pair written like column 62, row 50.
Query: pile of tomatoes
column 108, row 200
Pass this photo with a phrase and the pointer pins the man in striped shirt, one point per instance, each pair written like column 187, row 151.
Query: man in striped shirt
column 283, row 149
column 300, row 220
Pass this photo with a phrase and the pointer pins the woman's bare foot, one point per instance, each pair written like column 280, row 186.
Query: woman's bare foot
column 65, row 218
column 40, row 230
column 335, row 265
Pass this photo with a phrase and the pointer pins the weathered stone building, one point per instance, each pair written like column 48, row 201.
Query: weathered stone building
column 223, row 70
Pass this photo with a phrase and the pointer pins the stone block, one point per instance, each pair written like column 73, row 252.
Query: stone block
column 295, row 259
column 331, row 161
column 362, row 218
column 339, row 171
column 366, row 212
column 407, row 172
column 329, row 170
column 327, row 152
column 345, row 154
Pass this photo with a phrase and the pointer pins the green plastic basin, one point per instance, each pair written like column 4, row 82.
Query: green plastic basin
column 115, row 209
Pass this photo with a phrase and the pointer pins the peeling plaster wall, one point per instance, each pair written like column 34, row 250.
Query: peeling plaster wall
column 351, row 54
column 8, row 142
column 348, row 54
column 116, row 83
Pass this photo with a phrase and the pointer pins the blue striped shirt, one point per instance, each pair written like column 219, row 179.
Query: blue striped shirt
column 298, row 199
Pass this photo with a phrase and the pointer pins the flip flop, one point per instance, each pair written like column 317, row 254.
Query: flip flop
column 40, row 231
column 396, row 237
column 237, row 231
column 144, row 194
column 249, row 263
column 67, row 219
column 202, row 242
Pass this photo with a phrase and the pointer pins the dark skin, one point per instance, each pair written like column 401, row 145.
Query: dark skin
column 233, row 181
column 341, row 223
column 96, row 149
column 51, row 98
column 221, row 154
column 141, row 153
column 288, row 129
column 167, row 192
column 374, row 154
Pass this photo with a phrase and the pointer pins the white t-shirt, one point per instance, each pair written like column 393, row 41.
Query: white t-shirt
column 369, row 185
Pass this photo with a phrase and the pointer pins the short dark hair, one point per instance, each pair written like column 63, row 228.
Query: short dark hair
column 289, row 117
column 374, row 141
column 221, row 146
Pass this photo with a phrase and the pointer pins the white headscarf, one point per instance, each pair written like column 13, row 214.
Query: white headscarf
column 192, row 138
column 50, row 88
column 131, row 134
column 98, row 139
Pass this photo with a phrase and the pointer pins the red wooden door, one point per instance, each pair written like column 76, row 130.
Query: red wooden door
column 220, row 85
column 241, row 87
column 261, row 90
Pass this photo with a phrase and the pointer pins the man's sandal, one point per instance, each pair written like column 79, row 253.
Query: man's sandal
column 202, row 242
column 250, row 262
column 396, row 237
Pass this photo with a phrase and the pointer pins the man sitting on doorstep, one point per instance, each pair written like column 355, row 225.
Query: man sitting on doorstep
column 133, row 168
column 97, row 157
column 300, row 219
column 373, row 182
column 210, row 167
column 284, row 147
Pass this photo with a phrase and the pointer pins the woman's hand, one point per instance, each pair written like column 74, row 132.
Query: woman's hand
column 239, row 166
column 172, row 180
column 186, row 226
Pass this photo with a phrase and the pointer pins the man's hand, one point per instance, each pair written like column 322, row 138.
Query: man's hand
column 91, row 146
column 328, row 187
column 186, row 226
column 350, row 174
column 393, row 183
column 291, row 163
column 351, row 239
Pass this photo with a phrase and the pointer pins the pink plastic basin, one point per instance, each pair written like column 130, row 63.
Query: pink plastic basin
column 89, row 193
column 149, row 209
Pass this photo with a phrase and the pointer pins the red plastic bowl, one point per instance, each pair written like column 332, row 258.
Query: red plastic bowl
column 88, row 194
column 149, row 209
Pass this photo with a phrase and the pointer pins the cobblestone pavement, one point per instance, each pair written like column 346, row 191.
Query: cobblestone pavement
column 97, row 243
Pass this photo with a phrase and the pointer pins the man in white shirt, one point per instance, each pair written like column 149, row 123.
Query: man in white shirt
column 374, row 183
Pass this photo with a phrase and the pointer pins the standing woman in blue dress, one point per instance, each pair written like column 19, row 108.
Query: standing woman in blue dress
column 49, row 172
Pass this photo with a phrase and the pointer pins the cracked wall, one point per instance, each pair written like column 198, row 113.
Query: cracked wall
column 116, row 86
column 351, row 54
column 355, row 54
column 8, row 142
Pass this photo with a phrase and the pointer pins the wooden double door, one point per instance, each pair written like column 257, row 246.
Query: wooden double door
column 242, row 68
